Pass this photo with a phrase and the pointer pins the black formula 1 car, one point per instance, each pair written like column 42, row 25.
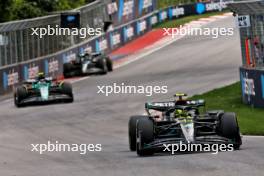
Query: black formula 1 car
column 181, row 121
column 88, row 63
column 42, row 90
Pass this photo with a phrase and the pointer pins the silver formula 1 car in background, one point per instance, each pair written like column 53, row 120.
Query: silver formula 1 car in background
column 88, row 63
column 42, row 90
column 181, row 121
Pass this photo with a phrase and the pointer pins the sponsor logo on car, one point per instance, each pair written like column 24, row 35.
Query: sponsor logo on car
column 164, row 104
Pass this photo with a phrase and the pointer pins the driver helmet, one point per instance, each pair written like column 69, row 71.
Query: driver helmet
column 180, row 113
column 41, row 76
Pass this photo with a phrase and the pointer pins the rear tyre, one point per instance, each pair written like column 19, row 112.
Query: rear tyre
column 132, row 131
column 67, row 70
column 229, row 128
column 145, row 135
column 109, row 64
column 66, row 88
column 103, row 65
column 20, row 94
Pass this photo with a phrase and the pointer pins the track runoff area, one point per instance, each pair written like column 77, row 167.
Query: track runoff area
column 193, row 64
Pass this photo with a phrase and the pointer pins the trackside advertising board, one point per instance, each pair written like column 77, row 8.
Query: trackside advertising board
column 252, row 84
column 123, row 11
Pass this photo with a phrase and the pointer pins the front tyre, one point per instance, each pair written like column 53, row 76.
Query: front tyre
column 132, row 131
column 66, row 88
column 67, row 70
column 103, row 65
column 145, row 135
column 109, row 64
column 228, row 127
column 20, row 94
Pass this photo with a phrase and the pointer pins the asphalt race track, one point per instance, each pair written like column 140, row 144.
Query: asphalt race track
column 192, row 65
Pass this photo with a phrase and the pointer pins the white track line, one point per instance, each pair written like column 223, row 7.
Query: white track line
column 249, row 136
column 79, row 79
column 218, row 17
column 207, row 19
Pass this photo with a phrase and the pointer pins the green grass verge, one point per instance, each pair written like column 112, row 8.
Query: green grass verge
column 181, row 21
column 251, row 120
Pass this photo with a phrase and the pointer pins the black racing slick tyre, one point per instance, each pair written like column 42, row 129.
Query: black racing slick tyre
column 66, row 88
column 103, row 65
column 228, row 127
column 20, row 94
column 68, row 70
column 132, row 131
column 145, row 135
column 109, row 64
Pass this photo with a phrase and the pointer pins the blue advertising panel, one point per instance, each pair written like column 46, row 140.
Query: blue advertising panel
column 123, row 11
column 252, row 85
